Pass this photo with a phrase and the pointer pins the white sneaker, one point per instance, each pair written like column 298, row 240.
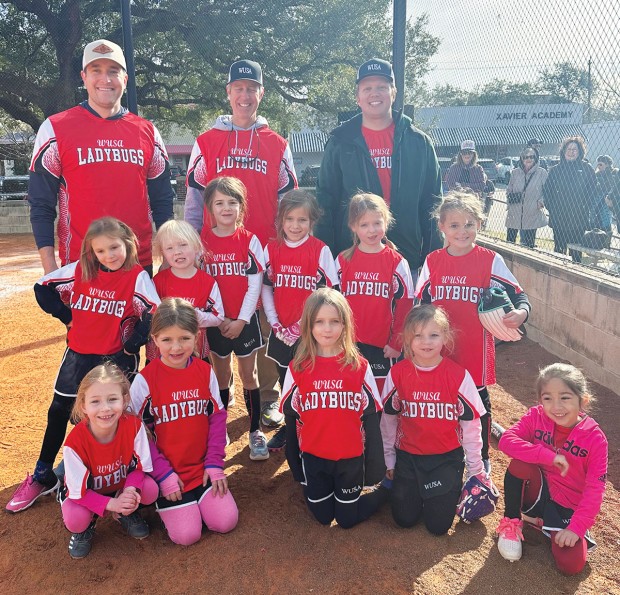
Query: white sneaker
column 510, row 537
column 258, row 446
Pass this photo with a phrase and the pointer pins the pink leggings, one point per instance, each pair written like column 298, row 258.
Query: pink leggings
column 184, row 522
column 77, row 517
column 569, row 560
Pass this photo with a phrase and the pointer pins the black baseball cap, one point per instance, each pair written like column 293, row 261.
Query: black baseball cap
column 375, row 67
column 534, row 141
column 245, row 70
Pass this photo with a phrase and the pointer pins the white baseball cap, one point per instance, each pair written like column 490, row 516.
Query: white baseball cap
column 102, row 48
column 468, row 145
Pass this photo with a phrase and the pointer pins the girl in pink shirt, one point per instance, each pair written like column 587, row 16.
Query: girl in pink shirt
column 556, row 479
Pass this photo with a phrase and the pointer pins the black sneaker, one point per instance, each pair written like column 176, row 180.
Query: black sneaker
column 278, row 440
column 80, row 544
column 134, row 525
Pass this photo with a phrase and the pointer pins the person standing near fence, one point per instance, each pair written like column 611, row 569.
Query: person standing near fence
column 569, row 194
column 524, row 197
column 243, row 146
column 380, row 151
column 98, row 159
column 466, row 173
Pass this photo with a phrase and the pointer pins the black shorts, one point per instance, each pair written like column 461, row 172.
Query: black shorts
column 555, row 517
column 323, row 479
column 74, row 366
column 245, row 344
column 379, row 364
column 280, row 352
column 194, row 496
column 436, row 475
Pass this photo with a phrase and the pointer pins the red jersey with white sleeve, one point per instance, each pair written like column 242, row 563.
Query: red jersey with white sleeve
column 231, row 260
column 106, row 311
column 379, row 290
column 380, row 145
column 293, row 272
column 531, row 440
column 259, row 157
column 103, row 468
column 183, row 404
column 329, row 403
column 427, row 411
column 455, row 284
column 103, row 166
column 202, row 292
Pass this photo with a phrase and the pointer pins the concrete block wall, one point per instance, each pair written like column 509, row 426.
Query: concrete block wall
column 575, row 313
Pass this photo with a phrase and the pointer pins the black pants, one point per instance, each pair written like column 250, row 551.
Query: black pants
column 563, row 236
column 528, row 236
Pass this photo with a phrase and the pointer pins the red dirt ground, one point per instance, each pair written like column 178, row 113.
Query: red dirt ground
column 277, row 546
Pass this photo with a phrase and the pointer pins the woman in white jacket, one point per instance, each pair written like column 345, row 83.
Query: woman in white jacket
column 524, row 195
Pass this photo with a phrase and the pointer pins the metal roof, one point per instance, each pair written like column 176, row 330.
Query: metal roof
column 308, row 141
column 505, row 135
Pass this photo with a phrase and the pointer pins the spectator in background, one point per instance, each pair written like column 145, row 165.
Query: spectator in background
column 535, row 144
column 524, row 195
column 466, row 173
column 606, row 177
column 569, row 194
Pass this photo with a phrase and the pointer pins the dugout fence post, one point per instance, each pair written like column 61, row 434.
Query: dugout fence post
column 399, row 26
column 132, row 96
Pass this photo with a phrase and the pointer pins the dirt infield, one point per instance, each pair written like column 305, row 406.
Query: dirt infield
column 277, row 546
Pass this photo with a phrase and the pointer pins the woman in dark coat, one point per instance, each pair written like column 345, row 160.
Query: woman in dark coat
column 569, row 194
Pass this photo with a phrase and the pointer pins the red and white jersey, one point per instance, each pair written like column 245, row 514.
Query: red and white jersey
column 294, row 272
column 430, row 404
column 455, row 284
column 230, row 260
column 379, row 290
column 90, row 465
column 105, row 309
column 380, row 145
column 103, row 166
column 202, row 292
column 329, row 403
column 259, row 157
column 180, row 402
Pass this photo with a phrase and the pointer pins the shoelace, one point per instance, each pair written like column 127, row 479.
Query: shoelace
column 258, row 440
column 510, row 529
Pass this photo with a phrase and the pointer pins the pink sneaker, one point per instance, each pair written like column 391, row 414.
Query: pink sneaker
column 27, row 493
column 510, row 537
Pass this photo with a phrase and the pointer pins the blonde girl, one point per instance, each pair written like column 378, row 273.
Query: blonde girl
column 106, row 301
column 376, row 281
column 179, row 393
column 106, row 457
column 453, row 277
column 296, row 264
column 556, row 479
column 331, row 407
column 179, row 245
column 431, row 420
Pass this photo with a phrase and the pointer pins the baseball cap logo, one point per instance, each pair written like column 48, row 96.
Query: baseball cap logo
column 374, row 67
column 245, row 70
column 103, row 49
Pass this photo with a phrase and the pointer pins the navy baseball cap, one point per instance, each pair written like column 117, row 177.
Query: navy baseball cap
column 245, row 70
column 375, row 67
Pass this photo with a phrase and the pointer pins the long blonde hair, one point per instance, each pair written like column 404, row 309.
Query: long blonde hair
column 360, row 204
column 112, row 228
column 305, row 357
column 107, row 373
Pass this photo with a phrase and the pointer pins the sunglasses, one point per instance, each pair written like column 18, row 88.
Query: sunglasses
column 528, row 157
column 467, row 152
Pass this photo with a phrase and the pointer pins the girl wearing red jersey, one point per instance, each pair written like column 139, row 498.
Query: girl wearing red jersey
column 296, row 264
column 431, row 418
column 376, row 281
column 234, row 257
column 106, row 301
column 453, row 278
column 179, row 393
column 331, row 408
column 106, row 457
column 556, row 479
column 179, row 245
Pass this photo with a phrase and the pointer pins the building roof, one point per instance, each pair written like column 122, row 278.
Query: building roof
column 307, row 141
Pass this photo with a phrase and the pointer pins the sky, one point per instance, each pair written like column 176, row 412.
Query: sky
column 514, row 39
